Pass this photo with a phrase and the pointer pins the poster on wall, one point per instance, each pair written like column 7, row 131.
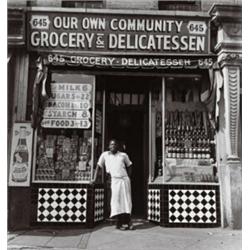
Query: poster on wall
column 21, row 152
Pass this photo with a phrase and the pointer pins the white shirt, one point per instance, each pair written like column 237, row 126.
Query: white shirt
column 115, row 163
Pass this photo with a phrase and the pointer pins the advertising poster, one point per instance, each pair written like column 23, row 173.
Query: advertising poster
column 21, row 152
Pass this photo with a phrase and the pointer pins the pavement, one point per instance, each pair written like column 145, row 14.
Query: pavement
column 146, row 235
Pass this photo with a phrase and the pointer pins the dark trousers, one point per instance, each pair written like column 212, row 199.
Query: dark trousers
column 122, row 219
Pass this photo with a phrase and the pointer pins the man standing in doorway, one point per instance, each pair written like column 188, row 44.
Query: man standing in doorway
column 118, row 165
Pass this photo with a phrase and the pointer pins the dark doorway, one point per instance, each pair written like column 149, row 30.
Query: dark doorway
column 127, row 121
column 127, row 126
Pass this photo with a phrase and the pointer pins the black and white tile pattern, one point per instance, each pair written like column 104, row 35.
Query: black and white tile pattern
column 99, row 204
column 62, row 205
column 154, row 205
column 192, row 206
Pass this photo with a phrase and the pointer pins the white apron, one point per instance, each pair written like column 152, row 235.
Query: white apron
column 120, row 196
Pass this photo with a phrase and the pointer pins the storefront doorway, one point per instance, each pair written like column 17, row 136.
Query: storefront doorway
column 127, row 120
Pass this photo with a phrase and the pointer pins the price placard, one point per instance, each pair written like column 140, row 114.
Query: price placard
column 68, row 106
column 69, row 114
column 65, row 123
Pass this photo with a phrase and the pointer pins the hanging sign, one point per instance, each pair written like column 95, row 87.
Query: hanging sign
column 112, row 33
column 68, row 106
column 131, row 62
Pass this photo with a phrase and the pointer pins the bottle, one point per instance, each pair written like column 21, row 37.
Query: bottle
column 159, row 167
column 167, row 151
column 21, row 158
column 191, row 156
column 182, row 153
column 195, row 149
column 177, row 150
column 174, row 149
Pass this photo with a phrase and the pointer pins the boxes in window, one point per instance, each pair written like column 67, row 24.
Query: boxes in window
column 188, row 170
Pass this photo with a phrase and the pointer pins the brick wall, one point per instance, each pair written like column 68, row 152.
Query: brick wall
column 16, row 3
column 132, row 4
column 207, row 4
column 51, row 3
column 121, row 4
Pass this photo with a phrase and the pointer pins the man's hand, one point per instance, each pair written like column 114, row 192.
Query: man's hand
column 92, row 183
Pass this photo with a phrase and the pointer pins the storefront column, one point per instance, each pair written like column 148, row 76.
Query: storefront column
column 231, row 170
column 19, row 197
column 228, row 48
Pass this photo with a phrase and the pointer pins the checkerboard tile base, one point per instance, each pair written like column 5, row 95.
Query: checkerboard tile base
column 62, row 205
column 154, row 205
column 99, row 204
column 192, row 206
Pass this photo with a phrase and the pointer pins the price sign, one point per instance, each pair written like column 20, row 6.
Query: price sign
column 70, row 114
column 68, row 107
column 63, row 123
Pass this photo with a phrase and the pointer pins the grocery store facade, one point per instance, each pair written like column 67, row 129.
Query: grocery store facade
column 166, row 84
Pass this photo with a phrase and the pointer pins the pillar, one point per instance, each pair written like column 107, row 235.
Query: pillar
column 227, row 19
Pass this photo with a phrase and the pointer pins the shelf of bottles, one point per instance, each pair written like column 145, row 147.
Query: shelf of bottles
column 191, row 143
column 189, row 148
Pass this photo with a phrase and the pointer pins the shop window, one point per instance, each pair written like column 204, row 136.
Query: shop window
column 65, row 144
column 156, row 133
column 83, row 4
column 185, row 5
column 187, row 152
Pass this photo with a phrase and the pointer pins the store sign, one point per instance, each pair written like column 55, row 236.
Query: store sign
column 130, row 62
column 117, row 33
column 68, row 107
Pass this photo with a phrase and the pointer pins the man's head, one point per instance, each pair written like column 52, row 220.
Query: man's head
column 113, row 145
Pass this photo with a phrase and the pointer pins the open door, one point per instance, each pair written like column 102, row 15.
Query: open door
column 126, row 116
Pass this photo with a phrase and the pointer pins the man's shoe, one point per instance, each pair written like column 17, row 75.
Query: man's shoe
column 122, row 228
column 130, row 226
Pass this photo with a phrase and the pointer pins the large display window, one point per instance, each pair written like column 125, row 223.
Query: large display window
column 182, row 138
column 66, row 140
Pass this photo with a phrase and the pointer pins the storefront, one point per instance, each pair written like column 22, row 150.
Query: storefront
column 146, row 79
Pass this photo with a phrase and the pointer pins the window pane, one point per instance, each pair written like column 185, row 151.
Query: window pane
column 64, row 139
column 189, row 151
column 156, row 134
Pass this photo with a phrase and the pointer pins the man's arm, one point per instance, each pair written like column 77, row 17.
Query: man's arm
column 98, row 168
column 129, row 170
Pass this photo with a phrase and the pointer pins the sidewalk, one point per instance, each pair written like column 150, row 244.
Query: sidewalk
column 146, row 236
